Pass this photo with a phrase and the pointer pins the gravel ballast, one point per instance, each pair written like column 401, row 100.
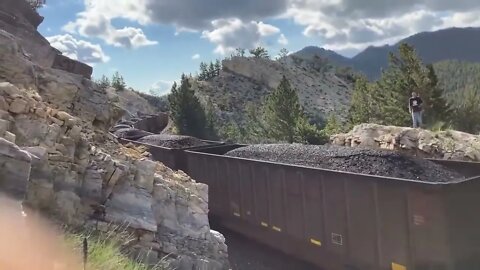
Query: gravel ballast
column 172, row 141
column 355, row 160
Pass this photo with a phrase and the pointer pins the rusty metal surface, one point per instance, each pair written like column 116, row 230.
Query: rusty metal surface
column 467, row 168
column 170, row 157
column 340, row 220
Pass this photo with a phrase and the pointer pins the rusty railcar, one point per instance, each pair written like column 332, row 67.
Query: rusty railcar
column 173, row 158
column 339, row 220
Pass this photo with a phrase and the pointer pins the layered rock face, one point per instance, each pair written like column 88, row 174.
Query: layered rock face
column 424, row 143
column 56, row 153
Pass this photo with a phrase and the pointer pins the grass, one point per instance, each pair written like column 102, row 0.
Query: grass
column 104, row 252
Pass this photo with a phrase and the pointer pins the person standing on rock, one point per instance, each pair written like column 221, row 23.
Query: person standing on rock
column 415, row 109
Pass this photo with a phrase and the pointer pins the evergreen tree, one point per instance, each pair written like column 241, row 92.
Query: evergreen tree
column 187, row 113
column 211, row 70
column 203, row 72
column 218, row 67
column 256, row 129
column 210, row 120
column 36, row 4
column 283, row 53
column 104, row 82
column 118, row 83
column 260, row 52
column 333, row 126
column 361, row 109
column 240, row 52
column 309, row 134
column 282, row 112
column 438, row 109
column 406, row 74
column 467, row 111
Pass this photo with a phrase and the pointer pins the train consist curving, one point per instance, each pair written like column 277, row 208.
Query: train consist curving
column 339, row 220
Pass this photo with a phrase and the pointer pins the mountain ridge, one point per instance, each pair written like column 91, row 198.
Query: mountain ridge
column 435, row 46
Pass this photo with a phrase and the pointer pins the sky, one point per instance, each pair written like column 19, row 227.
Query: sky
column 152, row 42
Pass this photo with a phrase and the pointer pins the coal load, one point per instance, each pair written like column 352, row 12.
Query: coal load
column 348, row 159
column 131, row 133
column 172, row 141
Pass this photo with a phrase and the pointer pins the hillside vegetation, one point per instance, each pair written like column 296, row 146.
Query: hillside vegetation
column 245, row 82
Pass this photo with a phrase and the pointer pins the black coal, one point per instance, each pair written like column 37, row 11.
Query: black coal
column 349, row 159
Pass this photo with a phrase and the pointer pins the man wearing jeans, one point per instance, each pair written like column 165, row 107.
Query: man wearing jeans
column 415, row 109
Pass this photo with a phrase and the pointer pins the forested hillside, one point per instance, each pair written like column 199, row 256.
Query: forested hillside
column 454, row 76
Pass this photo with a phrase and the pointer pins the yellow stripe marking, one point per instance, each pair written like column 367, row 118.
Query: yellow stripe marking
column 396, row 266
column 264, row 224
column 276, row 229
column 315, row 242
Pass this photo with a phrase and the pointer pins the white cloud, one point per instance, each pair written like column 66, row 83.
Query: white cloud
column 93, row 24
column 283, row 40
column 228, row 24
column 343, row 24
column 80, row 50
column 196, row 56
column 229, row 34
column 161, row 87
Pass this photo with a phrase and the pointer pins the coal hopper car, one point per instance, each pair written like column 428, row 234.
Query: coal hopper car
column 338, row 220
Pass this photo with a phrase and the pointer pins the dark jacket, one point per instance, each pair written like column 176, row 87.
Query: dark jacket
column 415, row 104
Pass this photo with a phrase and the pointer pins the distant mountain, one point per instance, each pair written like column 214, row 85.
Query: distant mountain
column 311, row 51
column 462, row 44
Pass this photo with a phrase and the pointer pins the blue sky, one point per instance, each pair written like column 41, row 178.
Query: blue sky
column 151, row 42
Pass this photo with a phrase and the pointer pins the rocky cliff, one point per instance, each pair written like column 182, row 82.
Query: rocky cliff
column 245, row 80
column 56, row 155
column 448, row 144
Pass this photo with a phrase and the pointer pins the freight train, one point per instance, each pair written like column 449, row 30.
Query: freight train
column 339, row 220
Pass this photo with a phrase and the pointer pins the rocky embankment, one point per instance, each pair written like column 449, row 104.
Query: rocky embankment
column 448, row 144
column 57, row 155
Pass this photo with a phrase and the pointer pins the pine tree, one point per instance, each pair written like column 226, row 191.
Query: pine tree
column 203, row 72
column 255, row 127
column 309, row 134
column 333, row 126
column 405, row 74
column 260, row 52
column 36, row 4
column 187, row 113
column 282, row 112
column 218, row 67
column 210, row 120
column 104, row 82
column 361, row 109
column 283, row 53
column 240, row 52
column 118, row 83
column 438, row 109
column 211, row 70
column 467, row 110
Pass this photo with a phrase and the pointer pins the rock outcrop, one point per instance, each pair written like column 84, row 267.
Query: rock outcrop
column 19, row 19
column 57, row 154
column 448, row 144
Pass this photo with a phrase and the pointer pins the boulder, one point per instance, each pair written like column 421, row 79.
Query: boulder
column 15, row 167
column 18, row 106
column 133, row 206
